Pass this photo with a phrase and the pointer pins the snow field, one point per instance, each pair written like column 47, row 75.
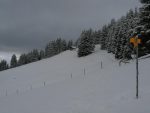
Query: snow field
column 68, row 84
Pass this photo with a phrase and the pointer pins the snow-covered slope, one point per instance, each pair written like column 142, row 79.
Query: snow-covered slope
column 68, row 84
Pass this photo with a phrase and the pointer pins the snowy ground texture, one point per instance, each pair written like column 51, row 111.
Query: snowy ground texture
column 68, row 84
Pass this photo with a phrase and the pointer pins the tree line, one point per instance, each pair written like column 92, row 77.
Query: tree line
column 115, row 36
column 52, row 48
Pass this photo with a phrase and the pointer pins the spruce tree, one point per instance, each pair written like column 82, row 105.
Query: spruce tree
column 59, row 45
column 23, row 59
column 145, row 14
column 42, row 55
column 35, row 55
column 97, row 35
column 3, row 65
column 103, row 40
column 110, row 36
column 86, row 45
column 13, row 62
column 47, row 50
column 145, row 22
column 63, row 45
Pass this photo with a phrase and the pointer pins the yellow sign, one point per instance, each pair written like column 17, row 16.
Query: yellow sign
column 135, row 41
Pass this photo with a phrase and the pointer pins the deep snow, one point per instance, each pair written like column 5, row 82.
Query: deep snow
column 68, row 84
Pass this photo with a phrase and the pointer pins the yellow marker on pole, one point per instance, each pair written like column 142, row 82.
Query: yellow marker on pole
column 137, row 68
column 135, row 41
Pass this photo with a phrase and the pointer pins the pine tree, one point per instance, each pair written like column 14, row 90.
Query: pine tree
column 47, row 50
column 132, row 21
column 145, row 22
column 3, row 65
column 145, row 14
column 96, row 37
column 13, row 62
column 35, row 55
column 59, row 45
column 86, row 45
column 23, row 59
column 120, row 38
column 110, row 36
column 42, row 55
column 63, row 45
column 103, row 40
column 114, row 37
column 51, row 49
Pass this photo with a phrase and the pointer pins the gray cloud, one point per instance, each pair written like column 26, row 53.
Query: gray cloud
column 28, row 24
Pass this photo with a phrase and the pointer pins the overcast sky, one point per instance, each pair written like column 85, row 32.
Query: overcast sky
column 28, row 24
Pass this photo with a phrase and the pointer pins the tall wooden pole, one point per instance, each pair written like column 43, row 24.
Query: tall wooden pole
column 137, row 70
